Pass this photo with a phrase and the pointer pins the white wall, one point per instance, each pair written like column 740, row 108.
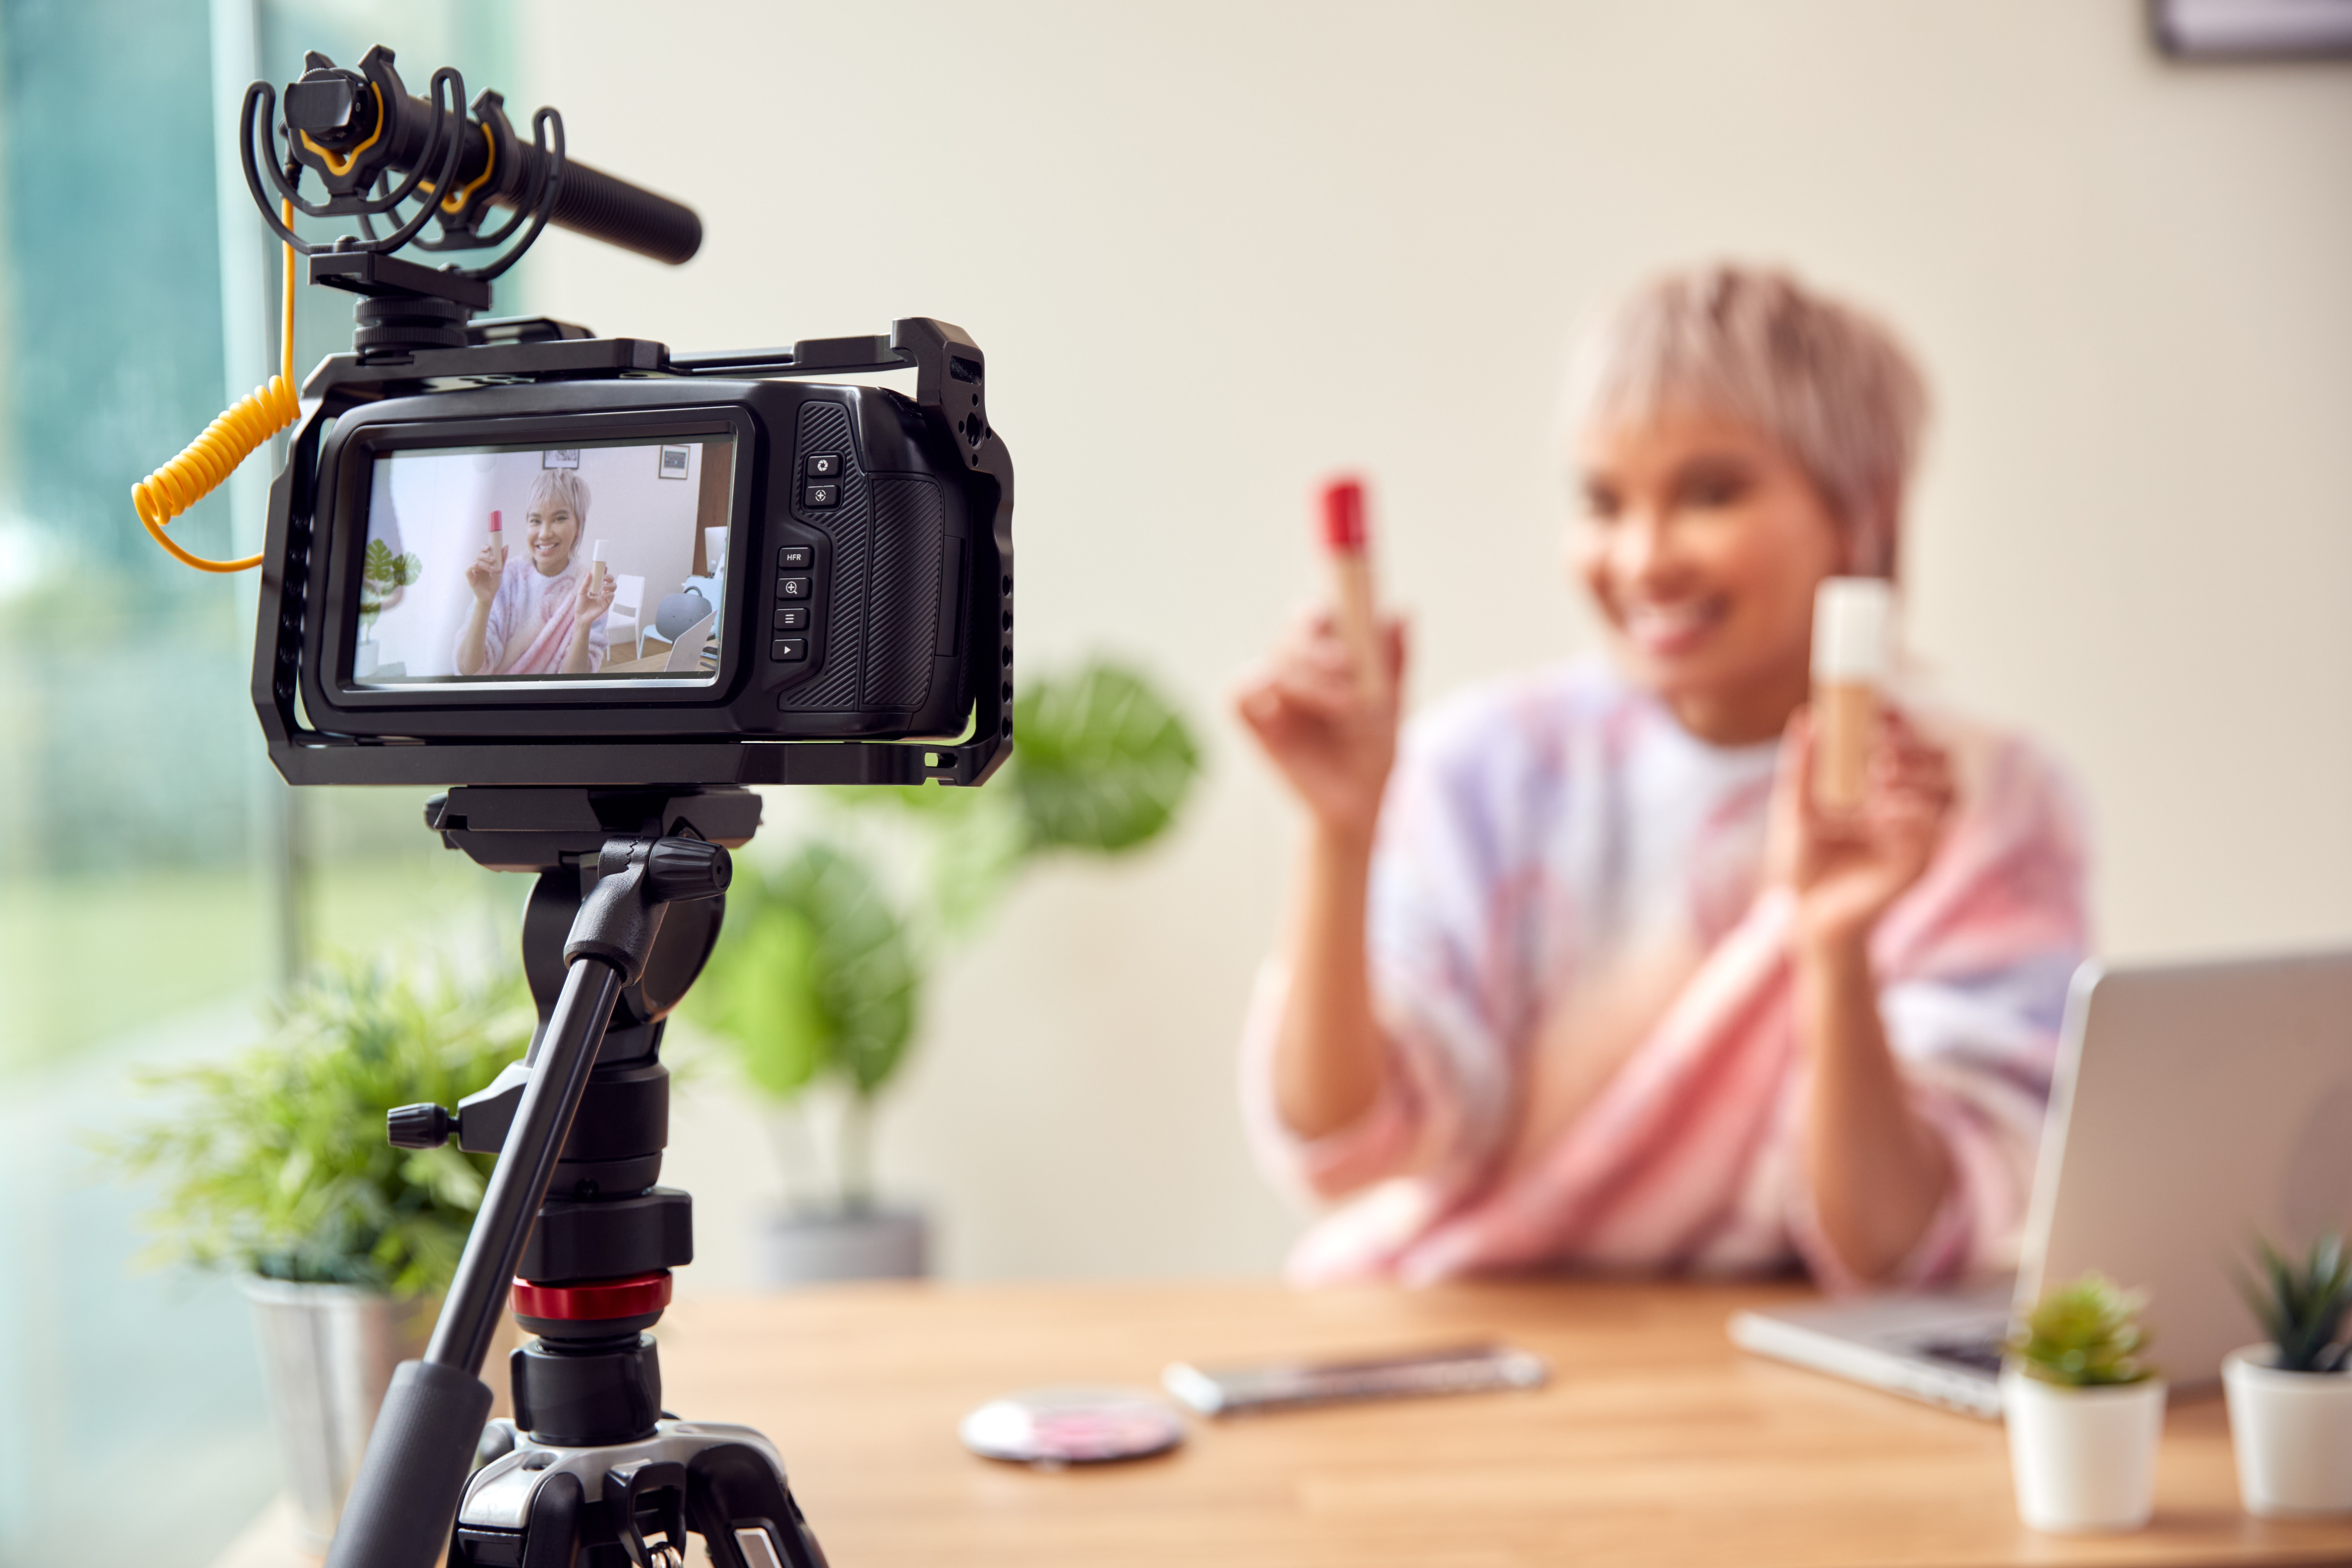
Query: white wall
column 645, row 521
column 1214, row 249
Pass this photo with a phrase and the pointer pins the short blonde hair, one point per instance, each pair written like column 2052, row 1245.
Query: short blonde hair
column 564, row 485
column 1830, row 384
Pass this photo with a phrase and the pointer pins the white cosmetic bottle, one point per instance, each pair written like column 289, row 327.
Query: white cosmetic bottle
column 1852, row 617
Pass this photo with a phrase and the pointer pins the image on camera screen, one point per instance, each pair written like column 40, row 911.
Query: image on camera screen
column 488, row 565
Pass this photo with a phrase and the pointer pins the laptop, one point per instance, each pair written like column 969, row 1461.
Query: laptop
column 685, row 654
column 2195, row 1107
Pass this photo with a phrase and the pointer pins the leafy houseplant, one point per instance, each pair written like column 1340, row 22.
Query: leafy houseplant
column 820, row 982
column 382, row 577
column 275, row 1165
column 818, row 979
column 2291, row 1399
column 2084, row 1411
column 274, row 1162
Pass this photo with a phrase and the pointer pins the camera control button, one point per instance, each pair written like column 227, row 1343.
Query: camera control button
column 824, row 465
column 790, row 650
column 792, row 588
column 794, row 558
column 821, row 495
column 793, row 620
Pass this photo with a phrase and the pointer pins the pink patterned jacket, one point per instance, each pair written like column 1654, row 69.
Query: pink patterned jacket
column 1585, row 991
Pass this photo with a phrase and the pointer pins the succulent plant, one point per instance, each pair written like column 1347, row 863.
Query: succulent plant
column 2302, row 1305
column 2085, row 1336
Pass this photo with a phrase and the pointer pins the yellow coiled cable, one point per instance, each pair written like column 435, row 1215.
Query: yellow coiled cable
column 226, row 442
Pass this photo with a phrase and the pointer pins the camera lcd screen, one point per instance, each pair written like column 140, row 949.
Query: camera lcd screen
column 491, row 567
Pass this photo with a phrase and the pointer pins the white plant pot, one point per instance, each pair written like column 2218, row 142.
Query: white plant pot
column 2082, row 1459
column 2292, row 1433
column 815, row 1247
column 364, row 659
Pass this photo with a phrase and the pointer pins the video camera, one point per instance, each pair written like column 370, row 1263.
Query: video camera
column 589, row 589
column 508, row 552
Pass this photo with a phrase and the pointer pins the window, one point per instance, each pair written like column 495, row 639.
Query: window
column 155, row 877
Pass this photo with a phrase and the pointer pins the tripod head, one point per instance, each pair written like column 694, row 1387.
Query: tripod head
column 591, row 1473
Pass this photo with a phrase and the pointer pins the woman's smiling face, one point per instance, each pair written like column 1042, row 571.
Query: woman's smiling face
column 550, row 532
column 1701, row 543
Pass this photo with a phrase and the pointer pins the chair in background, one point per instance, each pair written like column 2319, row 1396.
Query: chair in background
column 685, row 654
column 629, row 606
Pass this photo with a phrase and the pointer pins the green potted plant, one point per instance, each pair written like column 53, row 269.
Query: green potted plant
column 816, row 986
column 383, row 578
column 2084, row 1411
column 2290, row 1398
column 274, row 1165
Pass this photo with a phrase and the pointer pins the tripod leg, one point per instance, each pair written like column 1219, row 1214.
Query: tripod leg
column 404, row 1499
column 738, row 1502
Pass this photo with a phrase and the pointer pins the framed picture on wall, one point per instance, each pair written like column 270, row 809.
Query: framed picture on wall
column 674, row 461
column 2251, row 29
column 560, row 459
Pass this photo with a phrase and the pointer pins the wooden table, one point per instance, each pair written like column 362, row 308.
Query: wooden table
column 1658, row 1443
column 644, row 661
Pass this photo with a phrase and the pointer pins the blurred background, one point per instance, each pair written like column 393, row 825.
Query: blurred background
column 1213, row 251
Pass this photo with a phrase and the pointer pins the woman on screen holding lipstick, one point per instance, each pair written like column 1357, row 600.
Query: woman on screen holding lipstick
column 541, row 612
column 1581, row 974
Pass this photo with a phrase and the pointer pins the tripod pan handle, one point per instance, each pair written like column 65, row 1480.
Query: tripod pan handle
column 405, row 1498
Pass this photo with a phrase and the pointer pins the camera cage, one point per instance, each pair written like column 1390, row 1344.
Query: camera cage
column 303, row 626
column 623, row 798
column 371, row 144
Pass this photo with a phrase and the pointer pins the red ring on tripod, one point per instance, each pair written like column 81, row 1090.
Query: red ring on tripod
column 629, row 1298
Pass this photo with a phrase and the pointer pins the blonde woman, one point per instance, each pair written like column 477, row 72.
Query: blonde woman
column 539, row 615
column 1575, row 976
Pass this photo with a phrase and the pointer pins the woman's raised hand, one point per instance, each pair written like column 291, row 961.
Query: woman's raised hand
column 482, row 576
column 1333, row 740
column 593, row 601
column 1846, row 870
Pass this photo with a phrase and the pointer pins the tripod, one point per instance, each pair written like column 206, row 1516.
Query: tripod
column 591, row 1473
